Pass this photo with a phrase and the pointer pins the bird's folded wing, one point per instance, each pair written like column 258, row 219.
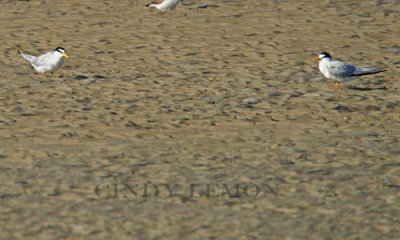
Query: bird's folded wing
column 366, row 71
column 341, row 69
column 43, row 59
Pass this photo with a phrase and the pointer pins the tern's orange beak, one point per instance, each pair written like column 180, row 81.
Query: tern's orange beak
column 64, row 54
column 316, row 59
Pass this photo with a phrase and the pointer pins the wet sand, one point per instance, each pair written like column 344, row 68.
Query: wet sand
column 217, row 92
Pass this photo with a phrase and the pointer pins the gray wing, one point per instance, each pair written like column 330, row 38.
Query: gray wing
column 27, row 57
column 42, row 60
column 366, row 71
column 341, row 69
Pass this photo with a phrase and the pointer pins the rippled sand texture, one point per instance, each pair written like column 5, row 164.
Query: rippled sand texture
column 215, row 92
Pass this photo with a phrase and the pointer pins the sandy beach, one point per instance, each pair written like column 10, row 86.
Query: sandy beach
column 210, row 122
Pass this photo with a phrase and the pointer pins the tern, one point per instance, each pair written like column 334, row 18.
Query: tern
column 341, row 71
column 163, row 5
column 49, row 61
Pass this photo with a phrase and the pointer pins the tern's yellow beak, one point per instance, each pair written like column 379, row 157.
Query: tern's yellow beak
column 316, row 59
column 64, row 54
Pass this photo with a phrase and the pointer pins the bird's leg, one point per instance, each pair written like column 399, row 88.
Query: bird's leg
column 337, row 85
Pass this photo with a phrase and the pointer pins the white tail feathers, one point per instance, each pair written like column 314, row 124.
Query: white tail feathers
column 27, row 57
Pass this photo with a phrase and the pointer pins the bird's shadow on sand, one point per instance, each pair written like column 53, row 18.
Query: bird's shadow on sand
column 366, row 89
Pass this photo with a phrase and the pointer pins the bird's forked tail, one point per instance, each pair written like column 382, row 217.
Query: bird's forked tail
column 27, row 57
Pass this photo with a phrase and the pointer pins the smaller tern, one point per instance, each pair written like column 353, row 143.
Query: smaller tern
column 163, row 5
column 341, row 71
column 49, row 61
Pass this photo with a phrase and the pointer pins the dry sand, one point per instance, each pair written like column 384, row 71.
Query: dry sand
column 217, row 92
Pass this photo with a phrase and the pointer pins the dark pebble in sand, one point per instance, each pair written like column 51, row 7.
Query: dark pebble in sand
column 139, row 76
column 81, row 77
column 164, row 75
column 274, row 94
column 341, row 108
column 372, row 108
column 98, row 76
column 133, row 125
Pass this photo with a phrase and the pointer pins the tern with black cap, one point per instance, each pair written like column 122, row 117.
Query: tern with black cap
column 341, row 71
column 49, row 61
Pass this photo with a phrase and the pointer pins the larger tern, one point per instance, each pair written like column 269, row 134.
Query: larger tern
column 341, row 71
column 49, row 61
column 163, row 5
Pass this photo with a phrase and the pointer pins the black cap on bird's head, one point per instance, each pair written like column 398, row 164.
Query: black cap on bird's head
column 62, row 51
column 322, row 56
